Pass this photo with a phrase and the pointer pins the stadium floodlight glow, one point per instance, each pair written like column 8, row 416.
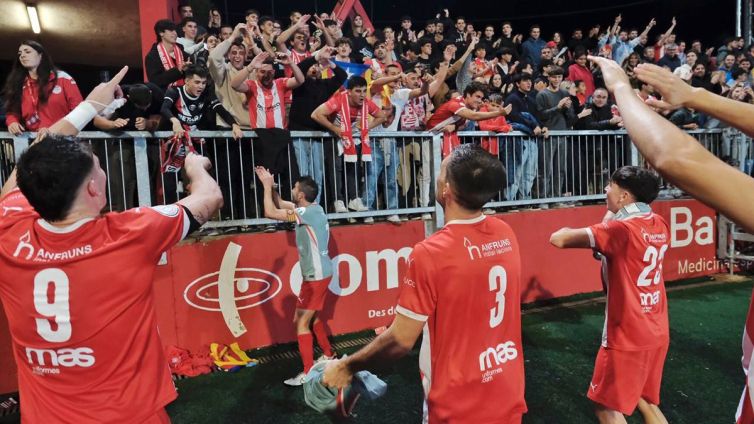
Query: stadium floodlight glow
column 33, row 18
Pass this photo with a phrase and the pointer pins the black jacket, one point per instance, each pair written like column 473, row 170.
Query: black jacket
column 309, row 95
column 156, row 73
column 599, row 119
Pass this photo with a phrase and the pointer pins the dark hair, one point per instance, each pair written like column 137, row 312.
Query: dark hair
column 308, row 186
column 14, row 84
column 474, row 87
column 237, row 43
column 51, row 172
column 737, row 72
column 505, row 23
column 642, row 183
column 183, row 4
column 251, row 12
column 329, row 22
column 405, row 18
column 459, row 18
column 188, row 19
column 523, row 76
column 200, row 71
column 423, row 41
column 578, row 82
column 556, row 70
column 226, row 26
column 344, row 40
column 356, row 81
column 479, row 47
column 140, row 95
column 474, row 175
column 263, row 20
column 531, row 28
column 503, row 51
column 163, row 25
column 578, row 52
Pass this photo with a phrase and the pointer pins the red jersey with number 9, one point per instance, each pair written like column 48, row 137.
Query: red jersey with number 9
column 633, row 246
column 465, row 283
column 81, row 314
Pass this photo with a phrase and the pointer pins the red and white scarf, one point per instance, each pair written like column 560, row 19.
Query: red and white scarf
column 169, row 63
column 346, row 130
column 173, row 152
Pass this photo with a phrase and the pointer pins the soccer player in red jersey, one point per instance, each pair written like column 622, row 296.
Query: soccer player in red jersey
column 683, row 161
column 633, row 241
column 76, row 285
column 462, row 291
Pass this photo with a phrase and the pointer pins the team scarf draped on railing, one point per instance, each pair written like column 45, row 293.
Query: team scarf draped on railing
column 173, row 152
column 346, row 130
column 168, row 63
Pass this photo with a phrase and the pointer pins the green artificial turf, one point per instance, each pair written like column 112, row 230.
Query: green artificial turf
column 702, row 380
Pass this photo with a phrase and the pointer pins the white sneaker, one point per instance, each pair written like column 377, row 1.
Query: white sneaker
column 340, row 207
column 357, row 205
column 296, row 381
column 427, row 216
column 395, row 219
column 369, row 220
column 325, row 358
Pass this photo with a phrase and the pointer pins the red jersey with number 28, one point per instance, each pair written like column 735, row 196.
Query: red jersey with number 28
column 633, row 245
column 464, row 282
column 81, row 313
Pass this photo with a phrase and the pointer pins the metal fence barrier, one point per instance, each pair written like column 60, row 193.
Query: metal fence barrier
column 565, row 168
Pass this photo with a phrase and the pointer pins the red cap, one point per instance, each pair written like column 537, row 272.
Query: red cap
column 551, row 44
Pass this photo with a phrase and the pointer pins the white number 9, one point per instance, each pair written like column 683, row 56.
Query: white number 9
column 58, row 310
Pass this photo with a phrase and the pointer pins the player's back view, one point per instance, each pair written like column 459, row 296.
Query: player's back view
column 462, row 291
column 464, row 281
column 632, row 241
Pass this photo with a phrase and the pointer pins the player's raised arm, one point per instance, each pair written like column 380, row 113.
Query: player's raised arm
column 566, row 238
column 676, row 155
column 205, row 198
column 274, row 207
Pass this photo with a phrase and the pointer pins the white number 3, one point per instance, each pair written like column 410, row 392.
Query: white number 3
column 498, row 283
column 58, row 310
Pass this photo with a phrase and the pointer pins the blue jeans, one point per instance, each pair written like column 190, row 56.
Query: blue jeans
column 521, row 165
column 310, row 160
column 384, row 170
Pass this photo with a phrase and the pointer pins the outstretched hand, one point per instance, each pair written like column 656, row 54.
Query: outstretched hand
column 675, row 92
column 106, row 92
column 615, row 77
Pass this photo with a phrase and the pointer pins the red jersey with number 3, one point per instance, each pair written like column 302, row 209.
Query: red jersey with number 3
column 633, row 246
column 464, row 282
column 81, row 313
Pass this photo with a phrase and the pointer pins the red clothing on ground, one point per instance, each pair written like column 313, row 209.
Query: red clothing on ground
column 63, row 97
column 81, row 313
column 465, row 283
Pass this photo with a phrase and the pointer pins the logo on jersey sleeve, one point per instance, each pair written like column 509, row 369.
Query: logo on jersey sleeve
column 492, row 359
column 171, row 211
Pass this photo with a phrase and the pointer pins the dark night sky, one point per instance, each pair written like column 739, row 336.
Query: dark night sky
column 709, row 20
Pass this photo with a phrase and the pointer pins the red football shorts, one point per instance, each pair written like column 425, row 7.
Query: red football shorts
column 312, row 294
column 621, row 378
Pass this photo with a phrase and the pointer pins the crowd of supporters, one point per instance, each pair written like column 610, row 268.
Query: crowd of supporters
column 442, row 75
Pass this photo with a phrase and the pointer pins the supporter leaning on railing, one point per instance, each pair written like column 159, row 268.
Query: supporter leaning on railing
column 37, row 94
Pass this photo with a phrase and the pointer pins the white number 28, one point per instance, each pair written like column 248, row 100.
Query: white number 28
column 654, row 260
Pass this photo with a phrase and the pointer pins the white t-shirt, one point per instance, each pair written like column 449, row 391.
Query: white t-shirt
column 399, row 98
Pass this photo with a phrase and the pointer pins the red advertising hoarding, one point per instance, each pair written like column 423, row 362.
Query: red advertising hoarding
column 258, row 309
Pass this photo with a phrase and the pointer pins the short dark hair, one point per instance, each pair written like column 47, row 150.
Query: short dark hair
column 263, row 20
column 642, row 183
column 521, row 76
column 140, row 95
column 344, row 40
column 474, row 175
column 405, row 18
column 51, row 172
column 188, row 19
column 737, row 72
column 423, row 41
column 474, row 87
column 329, row 22
column 356, row 81
column 200, row 71
column 226, row 25
column 251, row 12
column 308, row 186
column 531, row 28
column 164, row 25
column 556, row 70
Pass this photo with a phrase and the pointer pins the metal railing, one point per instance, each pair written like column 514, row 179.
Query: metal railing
column 567, row 167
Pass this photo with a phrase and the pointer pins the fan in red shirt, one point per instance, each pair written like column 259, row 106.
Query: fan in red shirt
column 462, row 290
column 632, row 241
column 37, row 94
column 77, row 285
column 451, row 116
column 265, row 93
